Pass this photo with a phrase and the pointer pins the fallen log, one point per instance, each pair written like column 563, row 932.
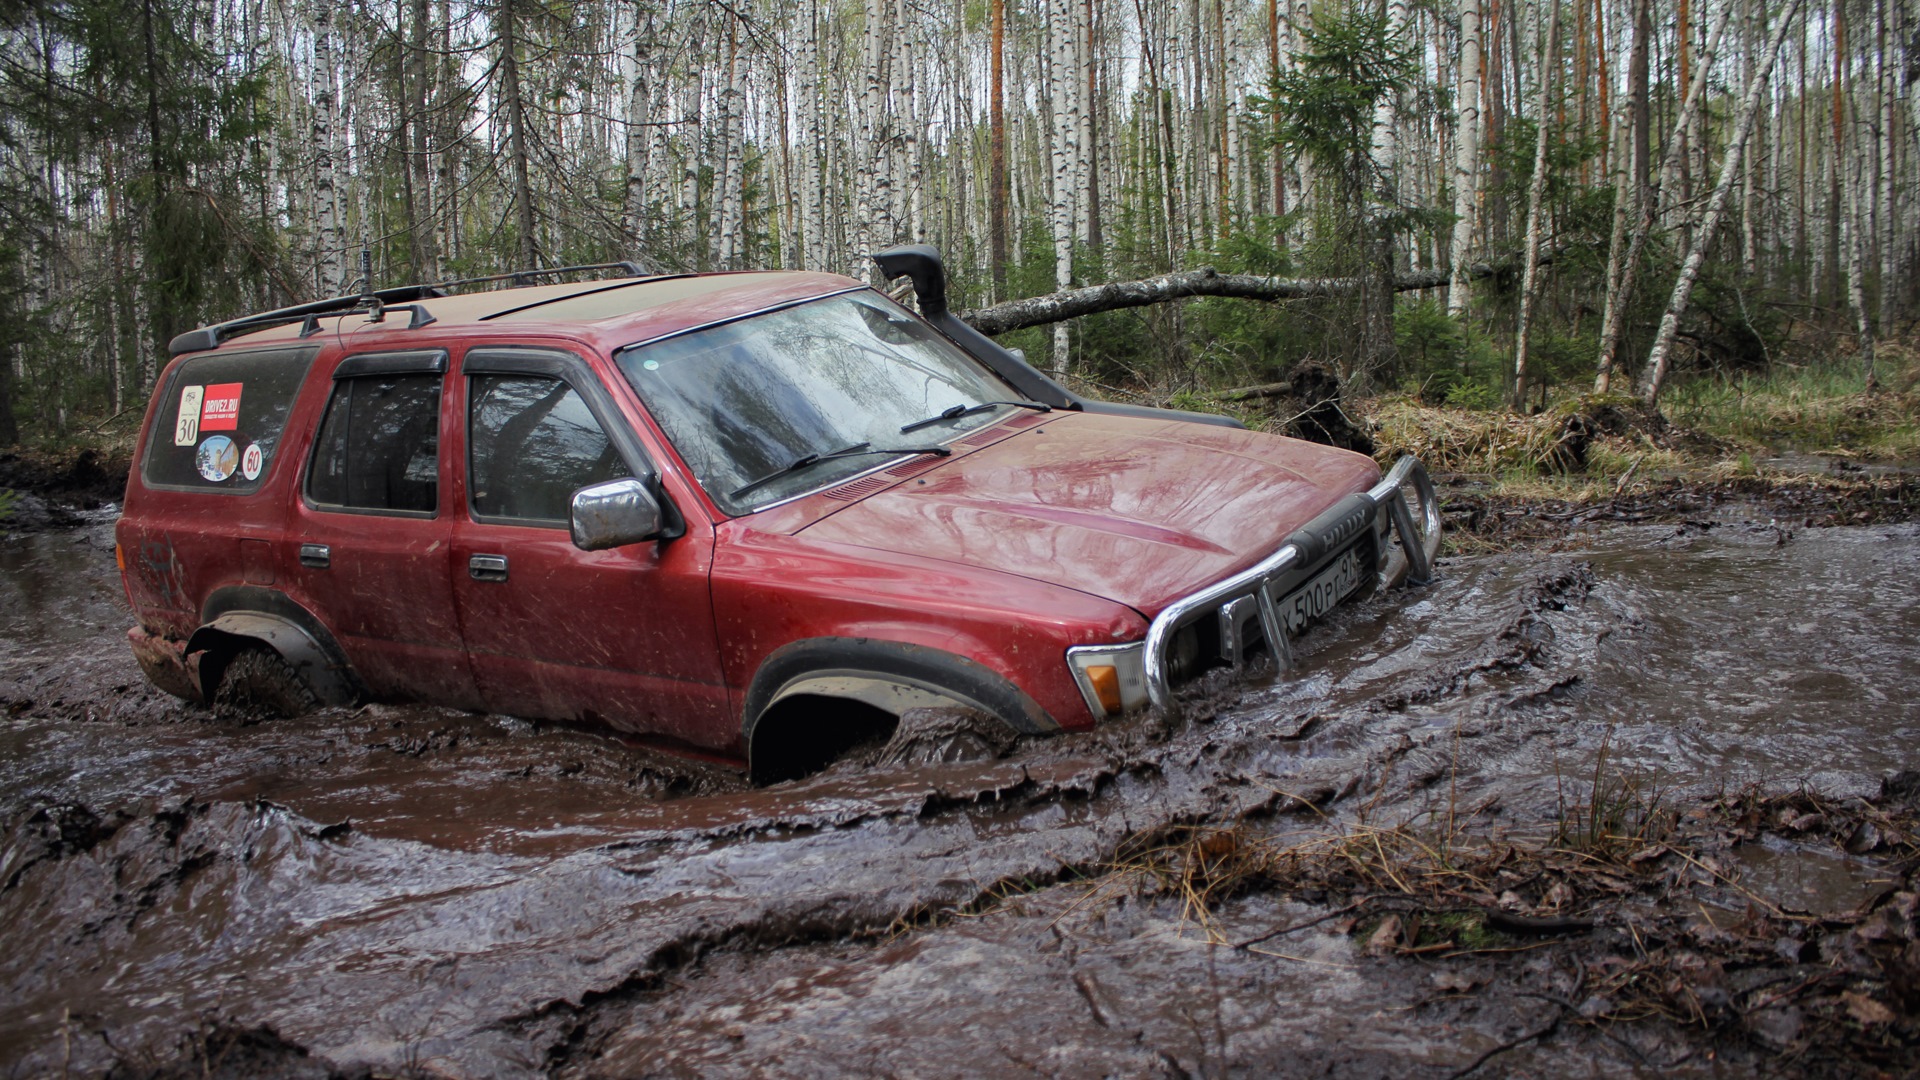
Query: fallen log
column 1073, row 303
column 1250, row 393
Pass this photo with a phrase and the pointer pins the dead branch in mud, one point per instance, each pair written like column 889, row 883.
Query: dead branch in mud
column 1206, row 281
column 1621, row 895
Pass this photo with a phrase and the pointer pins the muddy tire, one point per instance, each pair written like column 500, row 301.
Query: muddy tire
column 946, row 737
column 258, row 684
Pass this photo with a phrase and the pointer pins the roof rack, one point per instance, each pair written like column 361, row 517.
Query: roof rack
column 210, row 337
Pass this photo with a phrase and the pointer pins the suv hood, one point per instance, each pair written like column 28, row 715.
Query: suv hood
column 1138, row 511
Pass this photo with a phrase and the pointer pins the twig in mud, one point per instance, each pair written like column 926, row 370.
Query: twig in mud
column 1547, row 1029
column 1386, row 865
column 1300, row 799
column 1801, row 987
column 1285, row 930
column 1458, row 953
column 1742, row 890
column 1627, row 477
column 1520, row 924
column 1081, row 983
column 1304, row 959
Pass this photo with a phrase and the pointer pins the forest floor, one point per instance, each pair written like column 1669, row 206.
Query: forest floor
column 1630, row 790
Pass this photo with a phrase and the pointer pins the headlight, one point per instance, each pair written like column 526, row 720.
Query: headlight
column 1113, row 678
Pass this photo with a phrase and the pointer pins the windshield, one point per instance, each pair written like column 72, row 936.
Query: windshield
column 748, row 399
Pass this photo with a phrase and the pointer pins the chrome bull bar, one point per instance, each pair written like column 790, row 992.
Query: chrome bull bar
column 1265, row 584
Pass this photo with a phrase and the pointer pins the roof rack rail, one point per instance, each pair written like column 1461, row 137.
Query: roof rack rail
column 210, row 337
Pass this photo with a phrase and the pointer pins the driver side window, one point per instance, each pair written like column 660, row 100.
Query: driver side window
column 532, row 443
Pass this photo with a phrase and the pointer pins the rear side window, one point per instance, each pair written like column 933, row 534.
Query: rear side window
column 379, row 446
column 221, row 419
column 534, row 443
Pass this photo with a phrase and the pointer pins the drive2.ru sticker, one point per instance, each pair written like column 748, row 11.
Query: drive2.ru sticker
column 222, row 409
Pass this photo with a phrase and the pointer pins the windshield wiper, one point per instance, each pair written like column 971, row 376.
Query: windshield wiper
column 958, row 411
column 807, row 461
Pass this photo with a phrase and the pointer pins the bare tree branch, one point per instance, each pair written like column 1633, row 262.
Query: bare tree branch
column 1073, row 303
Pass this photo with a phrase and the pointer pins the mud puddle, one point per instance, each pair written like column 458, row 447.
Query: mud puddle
column 409, row 889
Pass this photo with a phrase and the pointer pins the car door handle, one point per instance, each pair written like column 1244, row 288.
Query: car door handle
column 318, row 556
column 487, row 567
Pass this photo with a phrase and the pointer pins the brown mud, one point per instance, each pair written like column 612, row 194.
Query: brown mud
column 1633, row 796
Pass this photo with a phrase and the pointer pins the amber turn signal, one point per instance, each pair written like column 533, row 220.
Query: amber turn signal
column 1106, row 685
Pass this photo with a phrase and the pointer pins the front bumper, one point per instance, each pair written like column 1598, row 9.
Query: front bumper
column 1408, row 537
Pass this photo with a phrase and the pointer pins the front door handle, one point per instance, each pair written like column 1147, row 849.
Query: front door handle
column 487, row 567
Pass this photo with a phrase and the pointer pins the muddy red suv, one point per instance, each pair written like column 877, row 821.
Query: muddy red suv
column 750, row 516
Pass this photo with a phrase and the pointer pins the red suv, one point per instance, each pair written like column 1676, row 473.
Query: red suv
column 749, row 516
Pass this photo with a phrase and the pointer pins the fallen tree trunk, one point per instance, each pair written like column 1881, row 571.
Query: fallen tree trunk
column 1251, row 393
column 1073, row 303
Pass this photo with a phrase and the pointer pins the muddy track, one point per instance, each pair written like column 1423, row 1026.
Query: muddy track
column 409, row 889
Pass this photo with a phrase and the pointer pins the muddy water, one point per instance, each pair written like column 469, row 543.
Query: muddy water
column 405, row 887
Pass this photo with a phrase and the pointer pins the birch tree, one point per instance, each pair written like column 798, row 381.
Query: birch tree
column 1658, row 358
column 1466, row 154
column 1536, row 188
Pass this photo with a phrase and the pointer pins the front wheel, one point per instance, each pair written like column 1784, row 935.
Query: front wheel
column 259, row 684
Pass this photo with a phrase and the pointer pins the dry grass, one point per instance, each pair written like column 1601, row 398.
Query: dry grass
column 1535, row 452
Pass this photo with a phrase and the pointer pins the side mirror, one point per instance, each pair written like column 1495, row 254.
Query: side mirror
column 613, row 514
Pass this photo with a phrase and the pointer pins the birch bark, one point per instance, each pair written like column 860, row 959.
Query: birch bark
column 1709, row 222
column 1536, row 188
column 1858, row 223
column 329, row 246
column 1888, row 121
column 1466, row 155
column 1064, row 75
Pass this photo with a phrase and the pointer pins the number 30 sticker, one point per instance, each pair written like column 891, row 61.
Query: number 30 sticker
column 186, row 426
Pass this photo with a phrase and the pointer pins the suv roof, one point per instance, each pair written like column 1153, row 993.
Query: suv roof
column 612, row 313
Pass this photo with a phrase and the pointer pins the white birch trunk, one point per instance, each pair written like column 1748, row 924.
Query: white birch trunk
column 636, row 78
column 1685, row 126
column 1466, row 155
column 1857, row 224
column 1063, row 74
column 1386, row 144
column 328, row 243
column 1536, row 188
column 1709, row 222
column 1084, row 64
column 812, row 232
column 1750, row 176
column 1888, row 151
column 867, row 142
column 729, row 246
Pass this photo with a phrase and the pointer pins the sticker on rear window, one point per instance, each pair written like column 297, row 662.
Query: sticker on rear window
column 216, row 459
column 221, row 412
column 186, row 426
column 252, row 461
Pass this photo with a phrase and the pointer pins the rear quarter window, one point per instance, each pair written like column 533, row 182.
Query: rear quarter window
column 220, row 419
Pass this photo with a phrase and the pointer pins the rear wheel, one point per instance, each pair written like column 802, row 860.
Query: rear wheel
column 259, row 684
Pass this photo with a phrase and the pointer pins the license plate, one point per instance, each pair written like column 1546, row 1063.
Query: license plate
column 1323, row 593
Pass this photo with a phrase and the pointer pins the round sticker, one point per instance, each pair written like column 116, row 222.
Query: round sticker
column 651, row 365
column 252, row 461
column 217, row 458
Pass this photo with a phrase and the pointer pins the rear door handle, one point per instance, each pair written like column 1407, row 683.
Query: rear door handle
column 318, row 556
column 487, row 567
